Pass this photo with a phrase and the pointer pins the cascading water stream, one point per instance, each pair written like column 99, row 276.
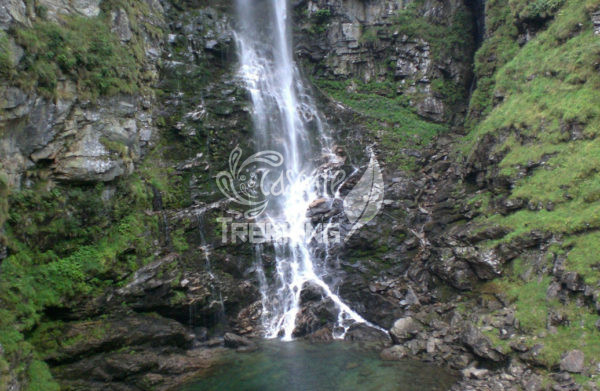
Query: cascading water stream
column 285, row 120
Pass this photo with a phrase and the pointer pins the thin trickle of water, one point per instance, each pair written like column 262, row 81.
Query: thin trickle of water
column 285, row 120
column 214, row 288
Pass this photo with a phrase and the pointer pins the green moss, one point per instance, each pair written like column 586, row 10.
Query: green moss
column 4, row 192
column 531, row 311
column 318, row 21
column 40, row 378
column 583, row 258
column 6, row 61
column 497, row 49
column 502, row 345
column 64, row 245
column 386, row 114
column 581, row 333
column 179, row 241
column 84, row 49
column 548, row 117
column 116, row 146
column 369, row 35
column 531, row 303
column 448, row 38
column 538, row 9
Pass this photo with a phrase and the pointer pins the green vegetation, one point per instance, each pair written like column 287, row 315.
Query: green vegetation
column 386, row 114
column 532, row 308
column 319, row 20
column 448, row 39
column 6, row 62
column 41, row 379
column 538, row 104
column 82, row 48
column 549, row 115
column 538, row 9
column 369, row 35
column 66, row 244
column 386, row 105
column 583, row 256
column 498, row 48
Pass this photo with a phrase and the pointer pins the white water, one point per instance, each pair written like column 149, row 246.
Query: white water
column 285, row 120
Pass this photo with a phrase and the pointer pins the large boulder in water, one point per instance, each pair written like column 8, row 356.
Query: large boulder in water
column 362, row 332
column 238, row 342
column 405, row 329
column 317, row 310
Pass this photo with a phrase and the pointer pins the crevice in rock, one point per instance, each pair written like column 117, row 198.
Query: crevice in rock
column 477, row 8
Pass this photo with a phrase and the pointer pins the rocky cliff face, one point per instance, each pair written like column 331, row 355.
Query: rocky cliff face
column 482, row 259
column 75, row 138
column 386, row 41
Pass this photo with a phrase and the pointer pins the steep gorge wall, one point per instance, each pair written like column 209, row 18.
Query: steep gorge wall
column 486, row 239
column 502, row 210
column 113, row 123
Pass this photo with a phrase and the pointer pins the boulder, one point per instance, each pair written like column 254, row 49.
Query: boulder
column 573, row 361
column 315, row 315
column 405, row 329
column 480, row 344
column 475, row 373
column 323, row 335
column 238, row 342
column 393, row 353
column 486, row 263
column 85, row 338
column 366, row 333
column 120, row 24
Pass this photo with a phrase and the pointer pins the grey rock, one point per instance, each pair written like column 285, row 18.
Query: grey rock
column 573, row 361
column 120, row 25
column 314, row 315
column 100, row 335
column 533, row 383
column 573, row 281
column 405, row 329
column 480, row 344
column 55, row 8
column 553, row 290
column 432, row 108
column 237, row 341
column 12, row 97
column 12, row 11
column 362, row 332
column 487, row 263
column 455, row 271
column 475, row 373
column 311, row 292
column 394, row 353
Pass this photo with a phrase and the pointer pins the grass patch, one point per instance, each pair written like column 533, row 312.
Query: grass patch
column 386, row 114
column 548, row 116
column 583, row 258
column 82, row 48
column 447, row 39
column 6, row 61
column 531, row 310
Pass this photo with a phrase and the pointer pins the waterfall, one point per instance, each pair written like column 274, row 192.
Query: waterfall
column 285, row 120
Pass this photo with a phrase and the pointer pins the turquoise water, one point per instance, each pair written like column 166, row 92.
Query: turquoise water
column 298, row 366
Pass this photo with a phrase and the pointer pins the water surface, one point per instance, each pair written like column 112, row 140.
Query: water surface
column 339, row 366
